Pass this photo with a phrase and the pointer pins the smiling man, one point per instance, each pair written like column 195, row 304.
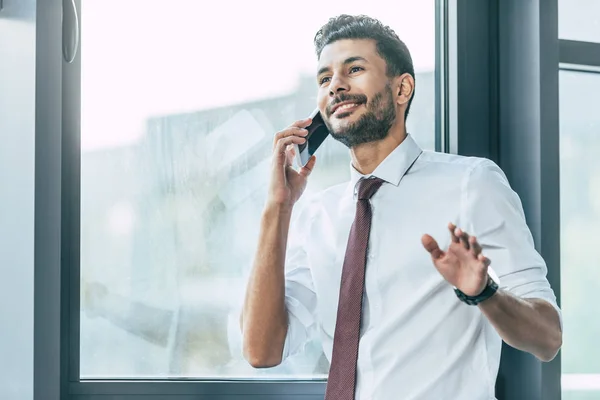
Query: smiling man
column 414, row 271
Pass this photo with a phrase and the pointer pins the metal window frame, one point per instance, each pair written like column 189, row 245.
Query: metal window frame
column 578, row 53
column 48, row 373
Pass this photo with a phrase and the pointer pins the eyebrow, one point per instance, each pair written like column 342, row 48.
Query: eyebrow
column 347, row 61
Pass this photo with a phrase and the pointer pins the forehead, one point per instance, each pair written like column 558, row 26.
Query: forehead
column 341, row 50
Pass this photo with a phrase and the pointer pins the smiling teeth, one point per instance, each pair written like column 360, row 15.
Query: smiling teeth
column 345, row 106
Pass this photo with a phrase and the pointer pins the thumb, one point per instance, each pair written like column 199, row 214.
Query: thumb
column 432, row 247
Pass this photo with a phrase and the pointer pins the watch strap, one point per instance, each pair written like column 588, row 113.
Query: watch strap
column 488, row 291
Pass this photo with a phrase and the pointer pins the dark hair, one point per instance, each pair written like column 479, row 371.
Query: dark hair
column 389, row 46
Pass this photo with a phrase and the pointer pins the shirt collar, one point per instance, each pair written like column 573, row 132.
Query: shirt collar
column 394, row 166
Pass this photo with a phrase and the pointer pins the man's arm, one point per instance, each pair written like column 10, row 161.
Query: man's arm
column 292, row 280
column 531, row 325
column 264, row 318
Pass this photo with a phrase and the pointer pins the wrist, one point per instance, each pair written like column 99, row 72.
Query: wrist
column 488, row 291
column 277, row 209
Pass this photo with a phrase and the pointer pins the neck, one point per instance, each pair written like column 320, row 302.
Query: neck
column 367, row 157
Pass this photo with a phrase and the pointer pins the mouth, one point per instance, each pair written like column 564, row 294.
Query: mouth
column 344, row 108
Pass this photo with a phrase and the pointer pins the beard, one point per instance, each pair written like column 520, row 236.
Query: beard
column 375, row 123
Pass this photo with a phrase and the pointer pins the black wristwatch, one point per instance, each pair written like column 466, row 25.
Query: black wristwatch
column 488, row 292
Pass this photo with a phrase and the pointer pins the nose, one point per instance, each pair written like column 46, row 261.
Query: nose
column 337, row 85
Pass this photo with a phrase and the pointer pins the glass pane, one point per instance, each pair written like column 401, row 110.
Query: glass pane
column 580, row 395
column 579, row 20
column 19, row 100
column 180, row 101
column 580, row 230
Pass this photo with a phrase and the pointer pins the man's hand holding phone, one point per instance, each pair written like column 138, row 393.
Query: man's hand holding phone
column 288, row 184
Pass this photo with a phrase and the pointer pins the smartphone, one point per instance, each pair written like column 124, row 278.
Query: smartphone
column 317, row 133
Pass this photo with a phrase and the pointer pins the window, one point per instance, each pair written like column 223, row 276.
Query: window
column 179, row 106
column 580, row 230
column 579, row 20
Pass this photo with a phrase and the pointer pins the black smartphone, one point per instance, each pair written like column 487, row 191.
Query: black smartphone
column 317, row 133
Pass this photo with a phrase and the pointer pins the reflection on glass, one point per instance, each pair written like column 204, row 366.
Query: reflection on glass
column 580, row 231
column 179, row 107
column 579, row 20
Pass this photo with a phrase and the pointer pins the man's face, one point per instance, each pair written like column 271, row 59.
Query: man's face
column 355, row 94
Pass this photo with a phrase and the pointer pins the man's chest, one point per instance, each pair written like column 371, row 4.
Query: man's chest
column 397, row 267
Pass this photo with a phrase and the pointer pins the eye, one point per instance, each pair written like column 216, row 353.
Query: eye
column 356, row 69
column 323, row 80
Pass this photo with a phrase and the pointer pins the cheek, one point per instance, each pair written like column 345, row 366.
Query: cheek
column 322, row 101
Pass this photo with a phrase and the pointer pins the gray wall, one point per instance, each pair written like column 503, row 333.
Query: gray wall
column 17, row 130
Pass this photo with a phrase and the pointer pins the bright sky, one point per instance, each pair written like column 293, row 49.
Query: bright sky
column 143, row 58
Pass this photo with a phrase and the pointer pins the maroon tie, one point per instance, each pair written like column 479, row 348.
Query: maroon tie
column 342, row 373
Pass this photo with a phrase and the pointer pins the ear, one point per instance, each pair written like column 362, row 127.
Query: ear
column 405, row 87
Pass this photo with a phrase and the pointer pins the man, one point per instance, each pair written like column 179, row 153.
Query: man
column 400, row 316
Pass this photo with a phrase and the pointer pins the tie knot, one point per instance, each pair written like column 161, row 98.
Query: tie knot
column 368, row 187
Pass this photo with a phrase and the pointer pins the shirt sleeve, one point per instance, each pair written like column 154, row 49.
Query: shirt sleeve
column 493, row 212
column 300, row 296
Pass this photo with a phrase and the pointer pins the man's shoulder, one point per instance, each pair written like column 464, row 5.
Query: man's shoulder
column 445, row 163
column 447, row 159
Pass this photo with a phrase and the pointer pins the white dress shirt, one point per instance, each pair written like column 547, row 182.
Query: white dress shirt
column 418, row 340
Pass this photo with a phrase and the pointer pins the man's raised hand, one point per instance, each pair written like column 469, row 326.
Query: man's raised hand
column 462, row 264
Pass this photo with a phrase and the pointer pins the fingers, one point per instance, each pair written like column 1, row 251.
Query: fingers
column 291, row 150
column 296, row 129
column 290, row 153
column 307, row 169
column 282, row 144
column 452, row 229
column 292, row 131
column 303, row 123
column 432, row 247
column 468, row 242
column 486, row 261
column 457, row 235
column 475, row 246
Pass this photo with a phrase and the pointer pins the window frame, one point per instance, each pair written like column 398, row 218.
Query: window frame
column 579, row 56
